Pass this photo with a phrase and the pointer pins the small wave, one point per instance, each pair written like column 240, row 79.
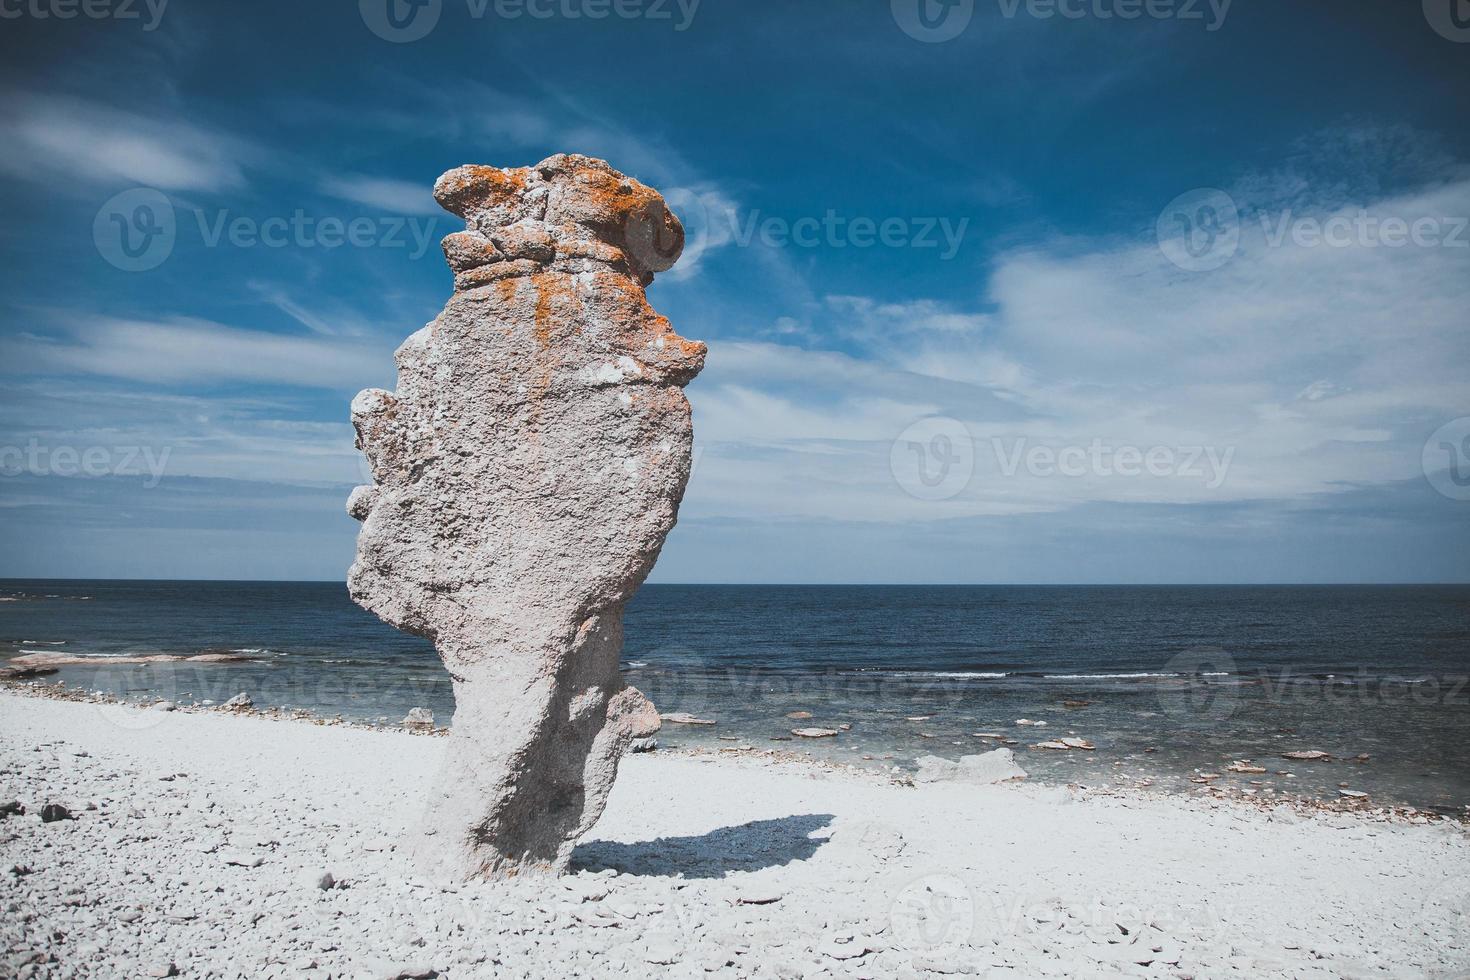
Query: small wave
column 981, row 674
column 1142, row 675
column 631, row 664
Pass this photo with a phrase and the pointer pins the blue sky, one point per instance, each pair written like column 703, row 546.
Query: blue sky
column 1063, row 297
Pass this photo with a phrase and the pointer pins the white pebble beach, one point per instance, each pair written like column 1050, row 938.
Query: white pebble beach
column 204, row 844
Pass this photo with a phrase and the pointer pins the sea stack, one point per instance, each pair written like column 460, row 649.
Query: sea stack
column 525, row 474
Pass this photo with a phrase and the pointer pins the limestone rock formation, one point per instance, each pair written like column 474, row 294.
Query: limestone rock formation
column 525, row 473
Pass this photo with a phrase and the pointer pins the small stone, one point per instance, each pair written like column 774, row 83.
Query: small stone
column 1245, row 765
column 52, row 812
column 241, row 700
column 416, row 971
column 318, row 881
column 814, row 732
column 419, row 718
column 243, row 860
column 759, row 897
column 164, row 970
column 643, row 745
column 844, row 951
column 798, row 715
column 685, row 718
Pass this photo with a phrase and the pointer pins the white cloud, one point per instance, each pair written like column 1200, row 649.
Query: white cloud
column 1315, row 369
column 186, row 351
column 47, row 136
column 395, row 196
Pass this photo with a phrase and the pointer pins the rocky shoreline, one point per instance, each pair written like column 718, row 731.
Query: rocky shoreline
column 230, row 843
column 420, row 722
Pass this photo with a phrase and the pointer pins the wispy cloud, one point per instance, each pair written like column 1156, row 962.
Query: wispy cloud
column 189, row 351
column 1317, row 369
column 387, row 194
column 50, row 135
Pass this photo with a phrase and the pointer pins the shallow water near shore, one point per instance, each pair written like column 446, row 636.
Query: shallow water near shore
column 1169, row 684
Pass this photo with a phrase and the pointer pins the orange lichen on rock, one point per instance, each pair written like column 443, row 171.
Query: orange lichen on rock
column 472, row 186
column 525, row 474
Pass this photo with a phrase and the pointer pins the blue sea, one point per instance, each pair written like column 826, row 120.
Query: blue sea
column 1166, row 682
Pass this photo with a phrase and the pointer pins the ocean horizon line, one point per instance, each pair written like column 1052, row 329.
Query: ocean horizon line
column 818, row 585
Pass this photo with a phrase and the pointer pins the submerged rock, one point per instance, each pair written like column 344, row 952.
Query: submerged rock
column 685, row 718
column 525, row 473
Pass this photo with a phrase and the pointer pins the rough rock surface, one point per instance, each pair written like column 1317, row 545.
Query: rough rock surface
column 525, row 473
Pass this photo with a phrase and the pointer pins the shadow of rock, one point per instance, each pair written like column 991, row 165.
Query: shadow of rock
column 748, row 847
